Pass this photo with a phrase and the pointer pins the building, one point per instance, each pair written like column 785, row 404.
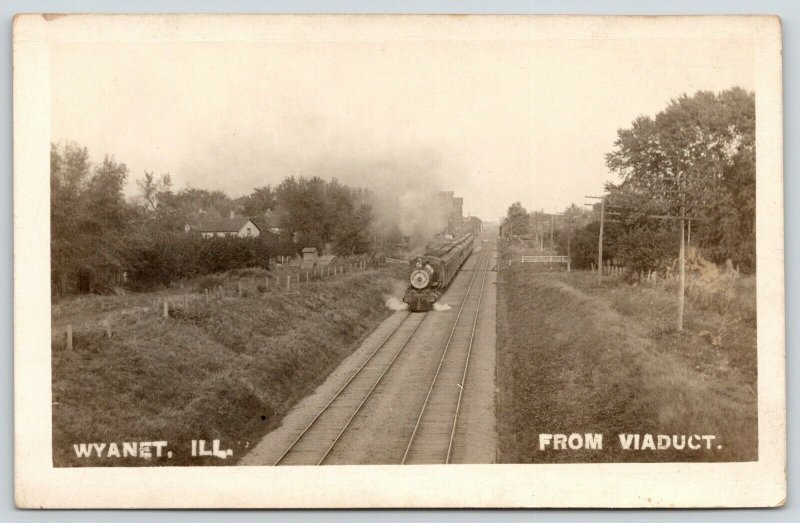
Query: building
column 451, row 209
column 310, row 257
column 235, row 226
column 457, row 211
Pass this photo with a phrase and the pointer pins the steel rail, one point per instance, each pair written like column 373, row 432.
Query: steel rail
column 327, row 405
column 466, row 364
column 441, row 362
column 369, row 393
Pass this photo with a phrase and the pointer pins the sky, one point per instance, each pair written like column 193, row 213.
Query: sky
column 495, row 120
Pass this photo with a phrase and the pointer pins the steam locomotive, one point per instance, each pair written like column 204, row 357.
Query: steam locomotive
column 433, row 271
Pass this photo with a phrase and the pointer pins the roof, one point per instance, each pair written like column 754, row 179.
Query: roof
column 224, row 224
column 310, row 249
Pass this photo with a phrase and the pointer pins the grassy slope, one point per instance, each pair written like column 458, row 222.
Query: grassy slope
column 573, row 357
column 227, row 369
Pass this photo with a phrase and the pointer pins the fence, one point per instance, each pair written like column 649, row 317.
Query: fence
column 545, row 259
column 540, row 259
column 276, row 281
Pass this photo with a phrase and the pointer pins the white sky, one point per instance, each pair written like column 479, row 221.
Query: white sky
column 495, row 121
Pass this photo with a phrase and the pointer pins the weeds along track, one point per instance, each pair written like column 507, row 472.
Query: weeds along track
column 316, row 441
column 432, row 439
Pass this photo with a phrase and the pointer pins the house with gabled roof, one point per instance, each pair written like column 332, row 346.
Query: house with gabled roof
column 240, row 226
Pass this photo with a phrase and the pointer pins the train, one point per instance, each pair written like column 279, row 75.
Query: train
column 432, row 272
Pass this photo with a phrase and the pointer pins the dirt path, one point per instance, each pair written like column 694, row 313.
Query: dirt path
column 380, row 431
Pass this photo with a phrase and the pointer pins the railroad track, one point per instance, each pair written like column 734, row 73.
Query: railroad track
column 432, row 440
column 314, row 443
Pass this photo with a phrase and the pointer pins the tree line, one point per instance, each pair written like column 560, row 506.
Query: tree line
column 96, row 231
column 695, row 159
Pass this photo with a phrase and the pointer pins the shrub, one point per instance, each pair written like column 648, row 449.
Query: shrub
column 172, row 257
column 646, row 249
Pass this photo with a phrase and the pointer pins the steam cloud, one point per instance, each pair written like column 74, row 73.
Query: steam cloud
column 404, row 185
column 396, row 304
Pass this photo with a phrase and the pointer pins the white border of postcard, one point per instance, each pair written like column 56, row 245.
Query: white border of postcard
column 38, row 484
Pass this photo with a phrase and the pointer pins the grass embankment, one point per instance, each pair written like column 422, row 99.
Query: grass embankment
column 574, row 357
column 226, row 369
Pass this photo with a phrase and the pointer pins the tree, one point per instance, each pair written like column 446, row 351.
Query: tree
column 259, row 201
column 517, row 216
column 88, row 214
column 353, row 234
column 696, row 158
column 155, row 191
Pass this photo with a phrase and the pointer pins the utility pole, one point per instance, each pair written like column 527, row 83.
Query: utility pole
column 600, row 239
column 683, row 276
column 689, row 233
column 569, row 250
column 552, row 219
column 682, row 218
column 600, row 242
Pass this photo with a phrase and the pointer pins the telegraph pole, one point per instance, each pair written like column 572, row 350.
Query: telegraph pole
column 683, row 276
column 685, row 222
column 600, row 242
column 569, row 250
column 689, row 233
column 600, row 239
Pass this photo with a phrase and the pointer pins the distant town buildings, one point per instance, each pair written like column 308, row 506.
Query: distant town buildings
column 452, row 208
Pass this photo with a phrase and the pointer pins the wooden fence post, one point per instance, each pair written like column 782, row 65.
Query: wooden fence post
column 69, row 337
column 306, row 276
column 289, row 282
column 206, row 295
column 239, row 288
column 107, row 325
column 166, row 308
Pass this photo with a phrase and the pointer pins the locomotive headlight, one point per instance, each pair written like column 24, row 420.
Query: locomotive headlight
column 420, row 278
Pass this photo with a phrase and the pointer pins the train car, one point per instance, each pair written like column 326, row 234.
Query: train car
column 432, row 272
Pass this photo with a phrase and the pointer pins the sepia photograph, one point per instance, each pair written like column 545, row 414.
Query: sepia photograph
column 294, row 241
